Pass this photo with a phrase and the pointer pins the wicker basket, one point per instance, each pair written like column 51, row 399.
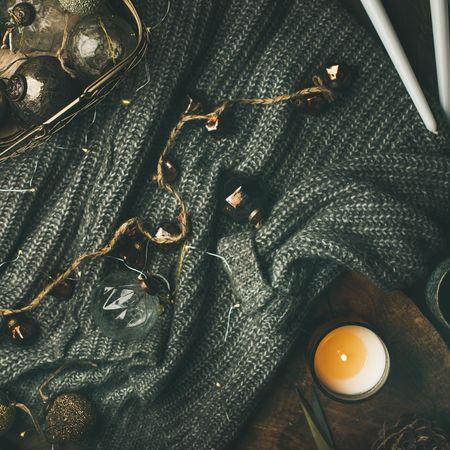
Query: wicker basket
column 25, row 140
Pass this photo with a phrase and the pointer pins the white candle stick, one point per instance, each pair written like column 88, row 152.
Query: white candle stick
column 383, row 26
column 439, row 18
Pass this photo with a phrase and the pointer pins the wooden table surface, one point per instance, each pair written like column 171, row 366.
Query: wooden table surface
column 419, row 382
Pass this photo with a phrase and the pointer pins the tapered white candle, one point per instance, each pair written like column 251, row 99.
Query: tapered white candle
column 383, row 26
column 439, row 18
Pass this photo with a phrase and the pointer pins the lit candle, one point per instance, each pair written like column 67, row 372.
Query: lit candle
column 351, row 362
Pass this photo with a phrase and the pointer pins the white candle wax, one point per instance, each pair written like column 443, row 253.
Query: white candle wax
column 439, row 20
column 351, row 361
column 386, row 32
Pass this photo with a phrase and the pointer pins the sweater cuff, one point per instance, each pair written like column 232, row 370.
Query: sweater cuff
column 248, row 282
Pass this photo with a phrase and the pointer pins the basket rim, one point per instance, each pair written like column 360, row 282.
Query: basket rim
column 11, row 143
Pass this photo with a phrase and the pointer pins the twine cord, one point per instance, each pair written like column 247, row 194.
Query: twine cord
column 26, row 410
column 8, row 66
column 109, row 40
column 8, row 34
column 318, row 88
column 16, row 21
column 6, row 37
column 64, row 275
column 44, row 397
column 62, row 48
column 15, row 18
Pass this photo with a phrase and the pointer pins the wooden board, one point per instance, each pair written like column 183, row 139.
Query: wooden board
column 419, row 381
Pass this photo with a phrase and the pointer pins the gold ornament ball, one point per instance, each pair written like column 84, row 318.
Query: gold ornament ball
column 7, row 417
column 81, row 7
column 70, row 418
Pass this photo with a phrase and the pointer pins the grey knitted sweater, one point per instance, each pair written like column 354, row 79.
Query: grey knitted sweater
column 364, row 187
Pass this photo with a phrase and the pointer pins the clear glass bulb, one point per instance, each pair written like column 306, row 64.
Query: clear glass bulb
column 122, row 309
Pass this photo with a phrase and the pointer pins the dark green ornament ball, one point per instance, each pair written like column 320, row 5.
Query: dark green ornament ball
column 39, row 89
column 96, row 44
column 70, row 418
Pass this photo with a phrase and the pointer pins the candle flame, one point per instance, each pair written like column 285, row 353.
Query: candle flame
column 343, row 356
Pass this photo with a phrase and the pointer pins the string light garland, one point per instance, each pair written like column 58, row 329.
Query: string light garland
column 147, row 79
column 19, row 254
column 232, row 308
column 85, row 147
column 31, row 188
column 60, row 53
column 218, row 387
column 325, row 86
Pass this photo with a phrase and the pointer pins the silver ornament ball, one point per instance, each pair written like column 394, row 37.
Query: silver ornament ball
column 81, row 7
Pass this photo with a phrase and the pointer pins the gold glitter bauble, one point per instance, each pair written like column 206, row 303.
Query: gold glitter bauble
column 81, row 7
column 7, row 417
column 70, row 418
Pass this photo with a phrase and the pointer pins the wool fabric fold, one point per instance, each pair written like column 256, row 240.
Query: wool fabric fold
column 362, row 187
